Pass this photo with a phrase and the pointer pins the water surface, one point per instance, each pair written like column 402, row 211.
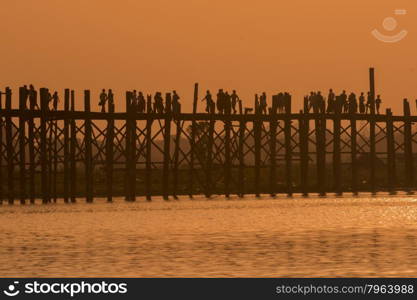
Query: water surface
column 299, row 237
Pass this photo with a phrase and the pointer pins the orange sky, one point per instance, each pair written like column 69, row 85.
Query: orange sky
column 251, row 46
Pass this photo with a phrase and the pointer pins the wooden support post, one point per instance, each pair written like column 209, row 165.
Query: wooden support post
column 353, row 151
column 88, row 149
column 408, row 148
column 288, row 148
column 73, row 148
column 110, row 153
column 2, row 128
column 66, row 145
column 176, row 158
column 257, row 126
column 148, row 175
column 242, row 131
column 391, row 175
column 9, row 146
column 321, row 153
column 272, row 153
column 31, row 136
column 304, row 131
column 22, row 145
column 167, row 147
column 129, row 176
column 337, row 161
column 372, row 131
column 55, row 160
column 192, row 143
column 44, row 99
column 209, row 157
column 227, row 155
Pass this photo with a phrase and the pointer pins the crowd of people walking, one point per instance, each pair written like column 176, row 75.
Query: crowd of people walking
column 343, row 103
column 227, row 102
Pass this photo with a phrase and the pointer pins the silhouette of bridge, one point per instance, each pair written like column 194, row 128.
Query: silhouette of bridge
column 53, row 154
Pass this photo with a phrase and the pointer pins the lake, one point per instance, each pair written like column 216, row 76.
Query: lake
column 249, row 237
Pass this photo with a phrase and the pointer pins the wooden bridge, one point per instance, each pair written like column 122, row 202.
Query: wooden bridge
column 68, row 154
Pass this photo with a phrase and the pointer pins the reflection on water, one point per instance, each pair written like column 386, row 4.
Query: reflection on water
column 212, row 238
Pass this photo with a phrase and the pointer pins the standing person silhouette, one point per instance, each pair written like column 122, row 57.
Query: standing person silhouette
column 378, row 102
column 330, row 101
column 362, row 103
column 209, row 102
column 220, row 101
column 235, row 99
column 353, row 104
column 345, row 104
column 227, row 103
column 55, row 101
column 263, row 104
column 103, row 100
column 176, row 105
column 369, row 103
column 141, row 103
column 110, row 98
column 158, row 103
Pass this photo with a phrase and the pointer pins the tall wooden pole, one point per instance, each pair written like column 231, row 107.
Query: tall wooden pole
column 353, row 152
column 22, row 145
column 31, row 136
column 288, row 148
column 391, row 175
column 110, row 153
column 66, row 145
column 192, row 143
column 337, row 154
column 272, row 153
column 304, row 131
column 372, row 130
column 167, row 147
column 73, row 148
column 148, row 174
column 257, row 126
column 44, row 99
column 88, row 149
column 408, row 148
column 9, row 146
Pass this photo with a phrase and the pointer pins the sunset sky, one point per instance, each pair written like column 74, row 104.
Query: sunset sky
column 250, row 46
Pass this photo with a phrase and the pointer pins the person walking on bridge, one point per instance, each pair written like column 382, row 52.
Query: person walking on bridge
column 103, row 100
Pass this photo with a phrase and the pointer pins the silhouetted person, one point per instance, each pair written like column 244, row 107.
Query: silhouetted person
column 369, row 103
column 103, row 100
column 141, row 103
column 227, row 103
column 33, row 104
column 263, row 104
column 362, row 106
column 25, row 95
column 344, row 101
column 209, row 102
column 235, row 100
column 158, row 103
column 312, row 102
column 220, row 101
column 353, row 104
column 176, row 105
column 110, row 98
column 320, row 102
column 378, row 102
column 55, row 101
column 331, row 98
